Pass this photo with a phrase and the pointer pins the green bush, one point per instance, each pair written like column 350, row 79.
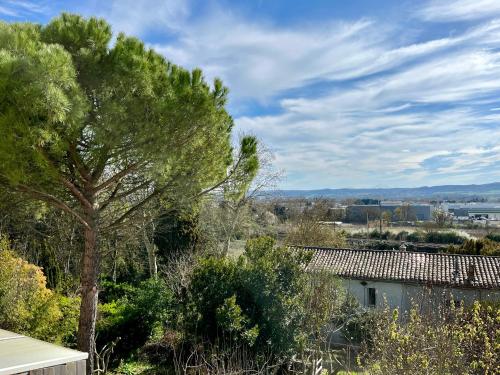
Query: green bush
column 136, row 315
column 256, row 300
column 444, row 237
column 431, row 237
column 493, row 237
column 452, row 341
column 357, row 322
column 412, row 237
column 27, row 306
column 482, row 246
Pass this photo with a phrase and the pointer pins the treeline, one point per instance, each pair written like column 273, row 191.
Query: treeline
column 439, row 237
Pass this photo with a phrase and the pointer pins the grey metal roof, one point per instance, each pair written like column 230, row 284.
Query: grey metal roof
column 19, row 353
column 412, row 267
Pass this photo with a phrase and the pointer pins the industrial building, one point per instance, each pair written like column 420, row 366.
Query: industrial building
column 490, row 211
column 359, row 213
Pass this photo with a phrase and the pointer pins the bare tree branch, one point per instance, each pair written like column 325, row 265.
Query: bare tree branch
column 49, row 198
column 117, row 176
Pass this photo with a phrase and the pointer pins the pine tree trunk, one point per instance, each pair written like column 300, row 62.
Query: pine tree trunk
column 89, row 291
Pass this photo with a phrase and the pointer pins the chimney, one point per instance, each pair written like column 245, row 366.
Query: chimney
column 471, row 273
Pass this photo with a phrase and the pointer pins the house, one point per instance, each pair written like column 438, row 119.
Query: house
column 400, row 279
column 24, row 355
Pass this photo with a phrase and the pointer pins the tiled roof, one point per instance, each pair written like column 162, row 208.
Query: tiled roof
column 410, row 267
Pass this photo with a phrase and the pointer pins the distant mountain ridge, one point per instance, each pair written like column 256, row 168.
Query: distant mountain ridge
column 491, row 190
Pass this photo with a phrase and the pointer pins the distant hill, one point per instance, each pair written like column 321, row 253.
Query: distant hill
column 449, row 192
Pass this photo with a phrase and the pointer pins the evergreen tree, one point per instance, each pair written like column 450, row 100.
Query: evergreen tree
column 102, row 129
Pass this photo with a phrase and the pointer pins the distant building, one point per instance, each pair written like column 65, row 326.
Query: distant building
column 337, row 213
column 401, row 278
column 358, row 213
column 489, row 211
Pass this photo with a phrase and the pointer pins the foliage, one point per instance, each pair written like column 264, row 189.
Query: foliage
column 27, row 306
column 442, row 218
column 134, row 368
column 310, row 232
column 357, row 323
column 132, row 315
column 256, row 300
column 375, row 234
column 405, row 212
column 176, row 233
column 431, row 236
column 456, row 341
column 483, row 246
column 444, row 237
column 324, row 299
column 493, row 237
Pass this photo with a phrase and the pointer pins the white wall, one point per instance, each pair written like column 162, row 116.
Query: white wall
column 403, row 296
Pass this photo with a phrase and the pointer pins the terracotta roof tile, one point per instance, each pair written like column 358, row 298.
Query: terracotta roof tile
column 412, row 267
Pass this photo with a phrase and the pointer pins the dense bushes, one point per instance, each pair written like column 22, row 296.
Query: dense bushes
column 27, row 306
column 453, row 341
column 417, row 236
column 258, row 310
column 444, row 237
column 493, row 237
column 255, row 300
column 131, row 315
column 482, row 246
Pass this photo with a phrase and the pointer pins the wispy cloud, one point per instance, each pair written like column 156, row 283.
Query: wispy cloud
column 140, row 17
column 452, row 10
column 21, row 8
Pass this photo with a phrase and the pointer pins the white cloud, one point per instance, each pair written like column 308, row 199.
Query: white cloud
column 261, row 60
column 19, row 8
column 140, row 17
column 452, row 10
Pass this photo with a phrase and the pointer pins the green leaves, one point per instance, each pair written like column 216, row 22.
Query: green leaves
column 39, row 102
column 257, row 300
column 74, row 106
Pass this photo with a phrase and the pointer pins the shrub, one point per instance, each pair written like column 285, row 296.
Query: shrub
column 456, row 341
column 493, row 237
column 258, row 301
column 411, row 237
column 482, row 246
column 444, row 237
column 310, row 232
column 27, row 306
column 135, row 316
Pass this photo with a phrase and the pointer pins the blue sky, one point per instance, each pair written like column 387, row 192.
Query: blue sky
column 356, row 93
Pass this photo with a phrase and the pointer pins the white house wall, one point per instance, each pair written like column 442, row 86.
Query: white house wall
column 404, row 296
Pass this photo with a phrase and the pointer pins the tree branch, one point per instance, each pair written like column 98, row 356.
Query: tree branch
column 136, row 207
column 117, row 177
column 68, row 184
column 76, row 193
column 115, row 196
column 79, row 164
column 224, row 180
column 49, row 198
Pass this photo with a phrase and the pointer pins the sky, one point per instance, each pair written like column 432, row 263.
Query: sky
column 357, row 93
